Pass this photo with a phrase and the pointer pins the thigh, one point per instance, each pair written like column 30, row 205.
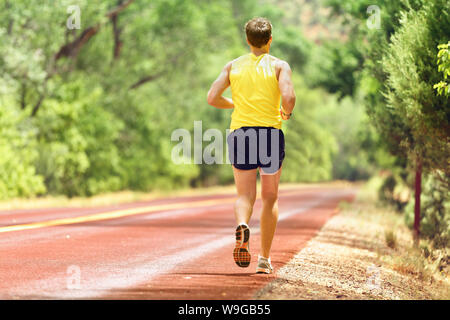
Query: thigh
column 269, row 184
column 245, row 181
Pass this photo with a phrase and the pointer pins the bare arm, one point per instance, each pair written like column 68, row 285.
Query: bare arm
column 287, row 89
column 215, row 97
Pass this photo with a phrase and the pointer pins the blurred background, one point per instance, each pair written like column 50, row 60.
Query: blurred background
column 88, row 103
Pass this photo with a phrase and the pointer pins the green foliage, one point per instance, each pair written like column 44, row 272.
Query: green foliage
column 346, row 121
column 18, row 177
column 435, row 211
column 405, row 95
column 292, row 46
column 410, row 64
column 443, row 87
column 98, row 127
column 393, row 191
column 310, row 147
column 310, row 151
column 329, row 138
column 368, row 46
column 99, row 118
column 336, row 67
column 77, row 154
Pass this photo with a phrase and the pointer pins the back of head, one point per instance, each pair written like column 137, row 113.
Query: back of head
column 258, row 31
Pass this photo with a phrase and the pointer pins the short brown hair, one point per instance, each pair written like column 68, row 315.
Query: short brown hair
column 259, row 31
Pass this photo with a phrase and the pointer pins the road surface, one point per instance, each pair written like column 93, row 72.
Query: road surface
column 176, row 248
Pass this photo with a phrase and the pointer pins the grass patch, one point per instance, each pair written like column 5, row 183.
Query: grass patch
column 393, row 241
column 390, row 238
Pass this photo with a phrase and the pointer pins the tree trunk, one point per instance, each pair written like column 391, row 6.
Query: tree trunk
column 116, row 33
column 71, row 49
column 418, row 191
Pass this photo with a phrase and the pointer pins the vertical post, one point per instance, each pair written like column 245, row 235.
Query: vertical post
column 418, row 191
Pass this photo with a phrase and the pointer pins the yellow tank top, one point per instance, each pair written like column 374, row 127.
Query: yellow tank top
column 255, row 92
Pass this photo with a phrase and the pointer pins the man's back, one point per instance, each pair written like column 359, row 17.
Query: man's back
column 255, row 91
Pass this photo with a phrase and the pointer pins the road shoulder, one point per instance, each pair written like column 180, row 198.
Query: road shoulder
column 349, row 259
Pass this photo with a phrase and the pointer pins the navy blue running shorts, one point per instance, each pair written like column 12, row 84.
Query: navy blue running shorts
column 256, row 147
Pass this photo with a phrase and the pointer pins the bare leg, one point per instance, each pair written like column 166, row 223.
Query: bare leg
column 269, row 215
column 246, row 190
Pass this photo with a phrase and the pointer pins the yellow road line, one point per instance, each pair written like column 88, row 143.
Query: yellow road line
column 118, row 214
column 112, row 214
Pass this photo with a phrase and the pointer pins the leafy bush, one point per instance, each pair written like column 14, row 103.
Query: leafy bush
column 76, row 143
column 18, row 177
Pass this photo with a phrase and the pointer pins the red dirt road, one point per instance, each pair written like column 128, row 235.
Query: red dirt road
column 162, row 249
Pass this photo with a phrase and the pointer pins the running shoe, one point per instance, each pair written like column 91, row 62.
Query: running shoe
column 264, row 265
column 241, row 253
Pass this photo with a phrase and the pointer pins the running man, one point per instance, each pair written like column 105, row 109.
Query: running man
column 258, row 82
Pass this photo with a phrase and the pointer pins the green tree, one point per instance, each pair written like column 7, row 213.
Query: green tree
column 410, row 65
column 103, row 99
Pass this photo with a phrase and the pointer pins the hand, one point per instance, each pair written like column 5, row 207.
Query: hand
column 285, row 116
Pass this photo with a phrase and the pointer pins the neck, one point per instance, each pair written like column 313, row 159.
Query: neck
column 259, row 51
